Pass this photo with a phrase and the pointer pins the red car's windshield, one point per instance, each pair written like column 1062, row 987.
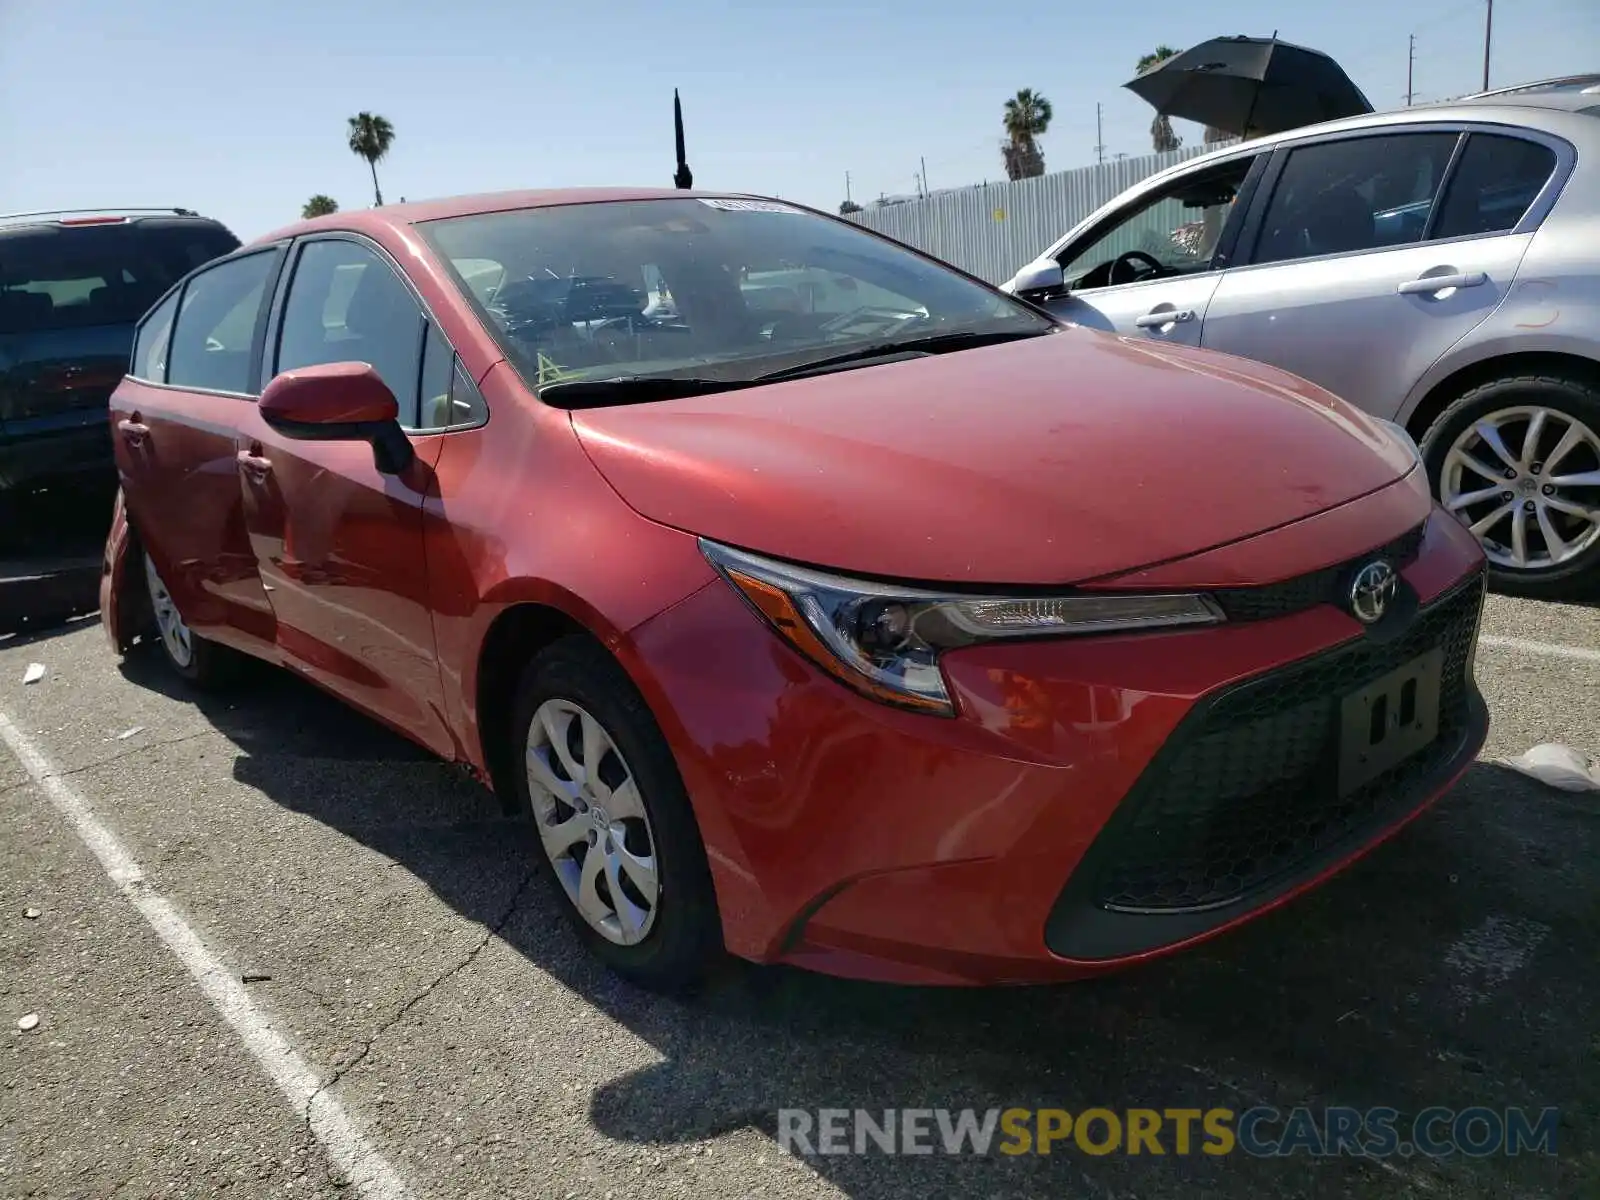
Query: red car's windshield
column 715, row 288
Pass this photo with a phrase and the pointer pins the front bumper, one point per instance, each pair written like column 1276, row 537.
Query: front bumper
column 1001, row 846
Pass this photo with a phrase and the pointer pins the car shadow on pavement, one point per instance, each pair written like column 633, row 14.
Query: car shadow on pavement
column 1458, row 965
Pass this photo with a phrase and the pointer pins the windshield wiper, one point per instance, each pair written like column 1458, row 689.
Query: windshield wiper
column 937, row 343
column 633, row 389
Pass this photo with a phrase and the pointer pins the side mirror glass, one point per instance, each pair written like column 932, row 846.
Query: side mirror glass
column 339, row 402
column 1039, row 279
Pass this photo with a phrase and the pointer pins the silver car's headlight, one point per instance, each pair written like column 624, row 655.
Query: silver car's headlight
column 884, row 641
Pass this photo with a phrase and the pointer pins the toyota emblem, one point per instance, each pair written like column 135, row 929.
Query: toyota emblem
column 1372, row 590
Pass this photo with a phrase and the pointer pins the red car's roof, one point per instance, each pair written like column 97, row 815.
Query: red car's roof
column 391, row 215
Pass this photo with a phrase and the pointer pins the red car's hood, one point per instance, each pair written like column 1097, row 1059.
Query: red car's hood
column 1053, row 460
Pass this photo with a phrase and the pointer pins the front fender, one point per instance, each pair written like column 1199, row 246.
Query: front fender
column 124, row 603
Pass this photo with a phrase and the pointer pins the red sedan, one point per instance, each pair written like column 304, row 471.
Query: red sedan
column 819, row 603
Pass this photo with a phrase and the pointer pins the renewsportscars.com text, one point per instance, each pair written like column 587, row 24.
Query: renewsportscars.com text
column 1260, row 1132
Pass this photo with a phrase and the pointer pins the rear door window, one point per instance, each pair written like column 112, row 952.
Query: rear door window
column 1354, row 194
column 211, row 345
column 1495, row 182
column 79, row 276
column 150, row 347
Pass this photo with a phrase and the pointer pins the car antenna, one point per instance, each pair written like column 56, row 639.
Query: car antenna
column 683, row 178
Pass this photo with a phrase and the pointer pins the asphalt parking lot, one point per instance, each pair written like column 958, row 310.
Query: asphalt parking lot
column 411, row 974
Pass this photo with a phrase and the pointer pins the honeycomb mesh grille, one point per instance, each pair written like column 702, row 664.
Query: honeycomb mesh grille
column 1318, row 587
column 1251, row 791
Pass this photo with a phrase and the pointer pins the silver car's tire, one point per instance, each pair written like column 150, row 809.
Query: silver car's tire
column 1517, row 460
column 616, row 830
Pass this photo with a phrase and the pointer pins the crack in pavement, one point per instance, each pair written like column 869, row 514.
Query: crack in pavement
column 106, row 762
column 489, row 933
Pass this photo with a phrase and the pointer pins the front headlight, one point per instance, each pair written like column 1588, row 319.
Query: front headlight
column 1403, row 436
column 884, row 641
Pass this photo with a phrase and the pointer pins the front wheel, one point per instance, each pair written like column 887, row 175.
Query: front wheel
column 615, row 825
column 1517, row 460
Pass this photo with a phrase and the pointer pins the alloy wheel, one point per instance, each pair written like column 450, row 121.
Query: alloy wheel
column 1526, row 481
column 592, row 822
column 175, row 634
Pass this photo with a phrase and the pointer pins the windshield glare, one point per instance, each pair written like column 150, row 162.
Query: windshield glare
column 710, row 288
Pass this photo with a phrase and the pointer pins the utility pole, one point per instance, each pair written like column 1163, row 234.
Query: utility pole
column 1488, row 31
column 1411, row 62
column 1099, row 135
column 847, row 187
column 923, row 159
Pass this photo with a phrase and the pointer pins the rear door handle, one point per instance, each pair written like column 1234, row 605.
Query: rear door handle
column 1155, row 320
column 254, row 463
column 1429, row 284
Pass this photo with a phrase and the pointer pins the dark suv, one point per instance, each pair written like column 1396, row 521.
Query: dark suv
column 72, row 287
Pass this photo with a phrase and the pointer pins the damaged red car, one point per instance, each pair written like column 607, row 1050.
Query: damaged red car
column 817, row 603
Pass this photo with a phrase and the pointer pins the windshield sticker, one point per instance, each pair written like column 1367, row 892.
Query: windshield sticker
column 772, row 206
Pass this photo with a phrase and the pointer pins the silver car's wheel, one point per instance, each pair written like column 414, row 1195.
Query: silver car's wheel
column 175, row 635
column 592, row 822
column 1526, row 480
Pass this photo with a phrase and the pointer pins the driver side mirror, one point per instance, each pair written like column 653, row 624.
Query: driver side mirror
column 339, row 402
column 1039, row 279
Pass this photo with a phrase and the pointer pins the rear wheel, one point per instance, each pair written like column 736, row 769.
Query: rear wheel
column 615, row 825
column 201, row 662
column 1517, row 460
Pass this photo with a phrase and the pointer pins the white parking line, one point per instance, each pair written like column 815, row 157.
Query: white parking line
column 1549, row 649
column 346, row 1146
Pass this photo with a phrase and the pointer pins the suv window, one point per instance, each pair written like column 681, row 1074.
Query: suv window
column 1178, row 227
column 1494, row 182
column 217, row 323
column 150, row 347
column 75, row 276
column 1361, row 193
column 346, row 304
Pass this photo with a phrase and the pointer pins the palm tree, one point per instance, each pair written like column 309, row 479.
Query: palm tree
column 319, row 206
column 1026, row 117
column 1162, row 135
column 370, row 138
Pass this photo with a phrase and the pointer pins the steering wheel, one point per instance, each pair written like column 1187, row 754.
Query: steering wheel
column 1124, row 267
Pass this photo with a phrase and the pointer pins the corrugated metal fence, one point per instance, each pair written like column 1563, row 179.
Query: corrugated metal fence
column 993, row 229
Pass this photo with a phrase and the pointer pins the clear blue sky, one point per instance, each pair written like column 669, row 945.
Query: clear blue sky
column 237, row 107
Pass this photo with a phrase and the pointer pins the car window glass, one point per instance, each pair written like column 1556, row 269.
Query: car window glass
column 718, row 287
column 1494, row 182
column 216, row 326
column 150, row 347
column 1178, row 228
column 438, row 376
column 467, row 405
column 1356, row 194
column 75, row 276
column 346, row 304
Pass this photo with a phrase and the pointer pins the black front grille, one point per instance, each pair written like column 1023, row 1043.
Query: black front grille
column 1318, row 587
column 1247, row 790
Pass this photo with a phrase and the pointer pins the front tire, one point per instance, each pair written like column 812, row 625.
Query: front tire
column 1517, row 460
column 618, row 835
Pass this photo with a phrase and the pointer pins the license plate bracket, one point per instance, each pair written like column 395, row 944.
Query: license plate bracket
column 1389, row 720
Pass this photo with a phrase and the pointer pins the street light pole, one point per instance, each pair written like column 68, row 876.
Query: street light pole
column 1488, row 33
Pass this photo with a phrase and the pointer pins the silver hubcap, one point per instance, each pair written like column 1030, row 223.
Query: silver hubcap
column 174, row 633
column 1526, row 480
column 592, row 822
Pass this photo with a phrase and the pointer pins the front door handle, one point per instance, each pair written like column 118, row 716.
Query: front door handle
column 1155, row 320
column 1429, row 284
column 255, row 464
